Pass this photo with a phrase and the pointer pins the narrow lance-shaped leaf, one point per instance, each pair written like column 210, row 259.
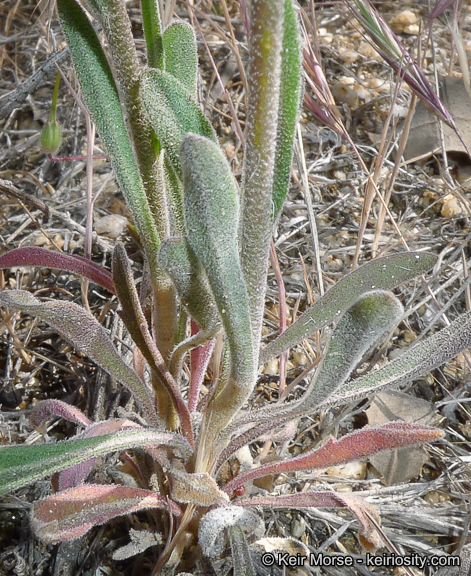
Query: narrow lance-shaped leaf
column 265, row 41
column 76, row 475
column 365, row 513
column 72, row 513
column 153, row 32
column 181, row 55
column 291, row 90
column 45, row 409
column 354, row 446
column 414, row 362
column 170, row 399
column 101, row 97
column 380, row 274
column 31, row 256
column 88, row 336
column 22, row 465
column 241, row 559
column 172, row 112
column 358, row 331
column 212, row 217
column 178, row 259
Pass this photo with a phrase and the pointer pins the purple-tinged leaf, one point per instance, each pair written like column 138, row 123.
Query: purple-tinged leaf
column 70, row 514
column 366, row 514
column 439, row 9
column 135, row 321
column 199, row 361
column 45, row 409
column 354, row 446
column 49, row 259
column 76, row 475
column 24, row 464
column 87, row 335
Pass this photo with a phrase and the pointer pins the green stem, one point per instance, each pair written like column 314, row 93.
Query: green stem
column 263, row 80
column 55, row 95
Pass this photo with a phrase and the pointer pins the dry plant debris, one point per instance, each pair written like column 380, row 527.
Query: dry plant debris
column 46, row 206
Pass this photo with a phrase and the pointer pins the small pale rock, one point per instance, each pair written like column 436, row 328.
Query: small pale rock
column 300, row 359
column 112, row 225
column 367, row 50
column 412, row 30
column 349, row 56
column 356, row 469
column 271, row 368
column 451, row 207
column 403, row 20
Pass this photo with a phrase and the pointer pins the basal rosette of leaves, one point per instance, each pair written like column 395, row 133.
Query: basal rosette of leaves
column 206, row 243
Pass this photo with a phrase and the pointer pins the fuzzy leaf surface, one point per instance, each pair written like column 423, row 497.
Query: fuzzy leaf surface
column 241, row 560
column 380, row 274
column 181, row 54
column 414, row 362
column 22, row 465
column 32, row 256
column 178, row 259
column 172, row 112
column 76, row 475
column 79, row 327
column 101, row 97
column 291, row 90
column 213, row 526
column 353, row 446
column 212, row 219
column 71, row 513
column 358, row 331
column 45, row 409
column 135, row 321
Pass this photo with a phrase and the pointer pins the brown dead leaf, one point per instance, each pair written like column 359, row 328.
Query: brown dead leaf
column 401, row 464
column 424, row 137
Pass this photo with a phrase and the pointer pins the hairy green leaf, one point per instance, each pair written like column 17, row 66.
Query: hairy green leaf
column 421, row 358
column 70, row 514
column 172, row 111
column 101, row 97
column 87, row 335
column 153, row 33
column 380, row 274
column 212, row 217
column 178, row 259
column 181, row 54
column 358, row 331
column 263, row 78
column 291, row 91
column 241, row 560
column 22, row 465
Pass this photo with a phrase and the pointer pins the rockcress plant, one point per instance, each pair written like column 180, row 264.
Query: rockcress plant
column 206, row 245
